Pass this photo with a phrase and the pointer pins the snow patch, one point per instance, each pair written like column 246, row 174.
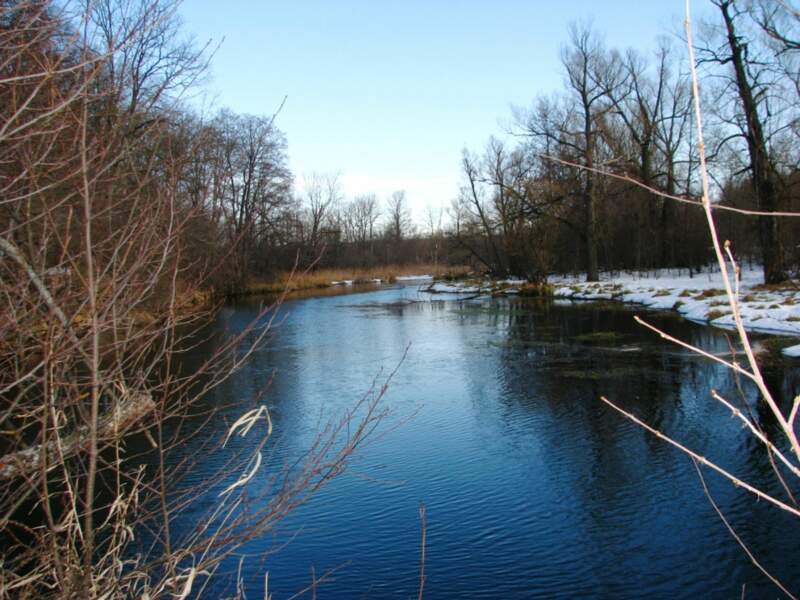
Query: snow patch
column 792, row 351
column 414, row 278
column 447, row 288
column 697, row 298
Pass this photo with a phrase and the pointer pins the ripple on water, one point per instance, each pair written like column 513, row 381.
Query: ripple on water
column 533, row 487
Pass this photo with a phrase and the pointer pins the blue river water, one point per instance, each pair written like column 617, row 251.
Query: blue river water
column 532, row 487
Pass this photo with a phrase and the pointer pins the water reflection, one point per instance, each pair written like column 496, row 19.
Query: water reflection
column 534, row 488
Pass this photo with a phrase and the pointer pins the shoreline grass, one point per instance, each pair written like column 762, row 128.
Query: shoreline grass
column 324, row 278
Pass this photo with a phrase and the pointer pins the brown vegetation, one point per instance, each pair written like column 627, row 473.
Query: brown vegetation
column 118, row 212
column 323, row 278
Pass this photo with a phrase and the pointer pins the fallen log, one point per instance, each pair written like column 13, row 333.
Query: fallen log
column 129, row 407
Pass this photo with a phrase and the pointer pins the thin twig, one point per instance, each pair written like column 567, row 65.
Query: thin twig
column 739, row 540
column 703, row 460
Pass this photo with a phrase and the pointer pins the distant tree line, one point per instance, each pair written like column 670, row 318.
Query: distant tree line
column 582, row 186
column 543, row 202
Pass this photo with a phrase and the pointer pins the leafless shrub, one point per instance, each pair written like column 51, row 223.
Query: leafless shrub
column 102, row 289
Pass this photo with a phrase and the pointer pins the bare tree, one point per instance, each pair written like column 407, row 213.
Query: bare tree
column 780, row 21
column 364, row 216
column 571, row 126
column 254, row 184
column 584, row 59
column 651, row 108
column 433, row 221
column 150, row 61
column 674, row 141
column 758, row 115
column 360, row 222
column 322, row 195
column 506, row 198
column 399, row 222
column 476, row 203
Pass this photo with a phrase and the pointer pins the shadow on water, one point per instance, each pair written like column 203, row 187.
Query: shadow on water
column 533, row 487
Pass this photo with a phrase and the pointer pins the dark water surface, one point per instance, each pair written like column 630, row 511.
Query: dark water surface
column 533, row 487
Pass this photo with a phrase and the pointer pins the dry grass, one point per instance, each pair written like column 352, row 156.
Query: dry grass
column 716, row 314
column 787, row 286
column 322, row 278
column 536, row 290
column 710, row 293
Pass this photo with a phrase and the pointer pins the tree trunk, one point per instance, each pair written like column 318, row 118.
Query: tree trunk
column 592, row 269
column 668, row 219
column 764, row 177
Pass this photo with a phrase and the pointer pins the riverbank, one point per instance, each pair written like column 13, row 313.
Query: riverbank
column 699, row 298
column 331, row 278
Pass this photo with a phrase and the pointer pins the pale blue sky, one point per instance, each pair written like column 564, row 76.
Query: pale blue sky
column 388, row 93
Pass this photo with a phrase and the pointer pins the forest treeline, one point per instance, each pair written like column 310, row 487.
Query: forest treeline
column 103, row 94
column 581, row 187
column 540, row 202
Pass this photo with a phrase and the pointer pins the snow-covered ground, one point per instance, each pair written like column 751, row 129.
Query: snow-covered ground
column 414, row 278
column 505, row 286
column 352, row 281
column 457, row 288
column 699, row 298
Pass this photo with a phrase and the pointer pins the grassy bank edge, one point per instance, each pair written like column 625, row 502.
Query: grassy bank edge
column 326, row 278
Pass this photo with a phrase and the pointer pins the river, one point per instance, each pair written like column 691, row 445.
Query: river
column 533, row 488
